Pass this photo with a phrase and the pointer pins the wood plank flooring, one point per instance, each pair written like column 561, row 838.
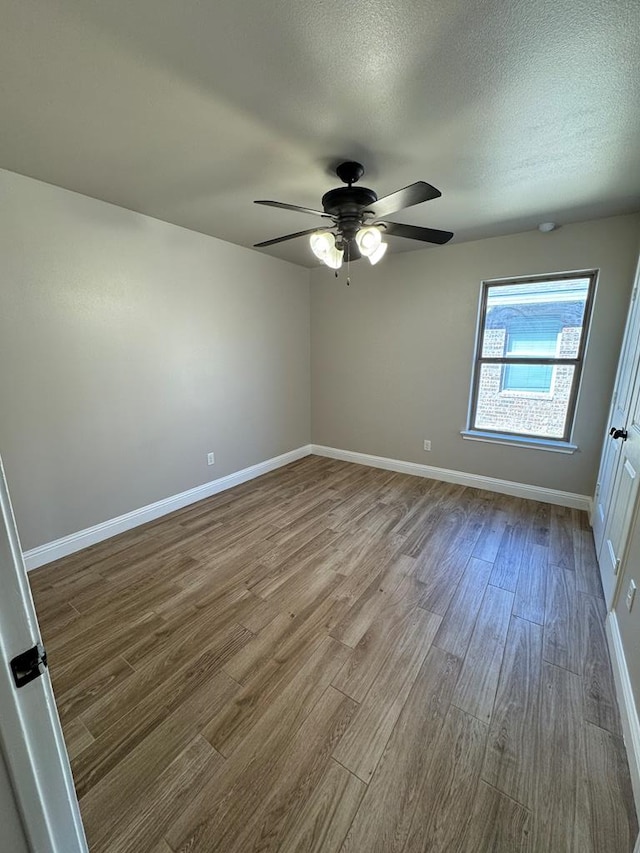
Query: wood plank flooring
column 339, row 659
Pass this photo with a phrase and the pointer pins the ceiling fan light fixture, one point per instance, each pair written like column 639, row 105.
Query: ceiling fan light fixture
column 359, row 219
column 369, row 239
column 333, row 258
column 322, row 242
column 378, row 254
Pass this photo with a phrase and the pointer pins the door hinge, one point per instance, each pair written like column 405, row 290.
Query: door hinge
column 617, row 566
column 29, row 665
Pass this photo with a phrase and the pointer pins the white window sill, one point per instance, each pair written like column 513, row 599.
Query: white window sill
column 519, row 441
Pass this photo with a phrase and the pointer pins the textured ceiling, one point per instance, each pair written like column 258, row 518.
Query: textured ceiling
column 517, row 110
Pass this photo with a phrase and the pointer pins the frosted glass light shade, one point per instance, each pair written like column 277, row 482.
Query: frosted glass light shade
column 374, row 257
column 368, row 239
column 322, row 242
column 333, row 258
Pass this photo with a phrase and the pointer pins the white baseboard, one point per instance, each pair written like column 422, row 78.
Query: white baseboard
column 51, row 551
column 477, row 481
column 99, row 532
column 626, row 702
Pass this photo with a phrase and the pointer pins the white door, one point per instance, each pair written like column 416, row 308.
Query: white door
column 30, row 735
column 611, row 466
column 623, row 501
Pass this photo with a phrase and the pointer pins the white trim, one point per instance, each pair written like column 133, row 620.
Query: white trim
column 519, row 441
column 626, row 702
column 476, row 481
column 59, row 548
column 51, row 551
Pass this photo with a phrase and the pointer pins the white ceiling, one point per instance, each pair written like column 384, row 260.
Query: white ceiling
column 519, row 111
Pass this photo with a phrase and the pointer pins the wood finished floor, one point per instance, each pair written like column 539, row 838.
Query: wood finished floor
column 338, row 658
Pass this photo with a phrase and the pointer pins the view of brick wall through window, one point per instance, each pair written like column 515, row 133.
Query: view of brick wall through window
column 530, row 412
column 535, row 328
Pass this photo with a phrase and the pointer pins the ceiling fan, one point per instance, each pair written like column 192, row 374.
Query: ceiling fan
column 358, row 219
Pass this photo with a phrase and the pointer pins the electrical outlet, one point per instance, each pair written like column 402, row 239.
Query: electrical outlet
column 631, row 594
column 426, row 444
column 211, row 458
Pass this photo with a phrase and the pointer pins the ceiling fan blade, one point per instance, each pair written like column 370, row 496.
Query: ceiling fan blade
column 413, row 194
column 286, row 237
column 415, row 232
column 295, row 207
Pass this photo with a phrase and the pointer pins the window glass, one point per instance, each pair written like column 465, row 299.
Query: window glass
column 531, row 342
column 542, row 343
column 534, row 309
column 527, row 377
column 519, row 412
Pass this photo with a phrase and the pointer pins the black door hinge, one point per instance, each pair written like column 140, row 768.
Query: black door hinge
column 29, row 665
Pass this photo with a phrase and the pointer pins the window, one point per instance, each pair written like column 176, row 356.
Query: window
column 531, row 343
column 523, row 343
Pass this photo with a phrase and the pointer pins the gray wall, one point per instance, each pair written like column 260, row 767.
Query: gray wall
column 391, row 355
column 129, row 348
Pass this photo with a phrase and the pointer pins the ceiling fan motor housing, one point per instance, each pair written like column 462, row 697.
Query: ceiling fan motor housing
column 348, row 205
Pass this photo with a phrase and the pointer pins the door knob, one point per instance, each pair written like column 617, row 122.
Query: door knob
column 618, row 433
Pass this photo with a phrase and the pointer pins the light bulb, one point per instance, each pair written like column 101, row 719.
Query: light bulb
column 333, row 258
column 368, row 239
column 378, row 254
column 322, row 242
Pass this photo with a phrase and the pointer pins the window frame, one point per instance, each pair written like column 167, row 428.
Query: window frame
column 479, row 360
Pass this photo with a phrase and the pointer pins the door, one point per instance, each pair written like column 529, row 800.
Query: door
column 623, row 500
column 13, row 832
column 611, row 474
column 30, row 735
